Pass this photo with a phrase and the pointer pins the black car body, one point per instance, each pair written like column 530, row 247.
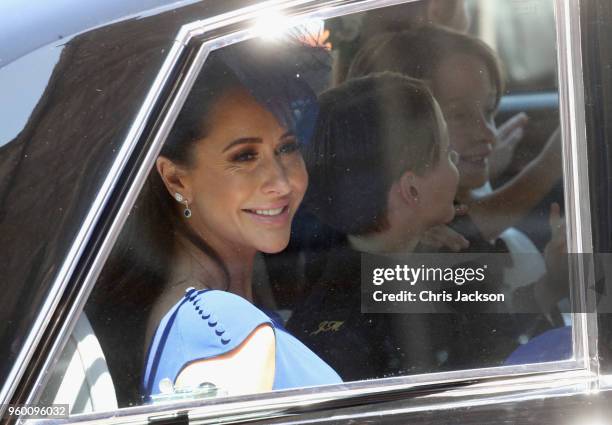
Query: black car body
column 71, row 174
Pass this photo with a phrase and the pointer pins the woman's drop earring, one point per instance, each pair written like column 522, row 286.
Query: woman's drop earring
column 187, row 210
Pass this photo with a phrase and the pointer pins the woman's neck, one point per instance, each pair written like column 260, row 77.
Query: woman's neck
column 233, row 275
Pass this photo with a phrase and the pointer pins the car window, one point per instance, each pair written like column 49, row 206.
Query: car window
column 338, row 201
column 506, row 26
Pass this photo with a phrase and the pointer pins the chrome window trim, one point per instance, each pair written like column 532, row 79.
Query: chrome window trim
column 85, row 290
column 578, row 238
column 280, row 403
column 575, row 171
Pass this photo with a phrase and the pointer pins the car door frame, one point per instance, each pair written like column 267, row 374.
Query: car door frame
column 148, row 132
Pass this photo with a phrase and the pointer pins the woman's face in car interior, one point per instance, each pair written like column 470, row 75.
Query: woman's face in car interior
column 463, row 87
column 248, row 177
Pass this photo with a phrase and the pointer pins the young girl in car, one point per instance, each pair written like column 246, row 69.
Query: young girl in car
column 381, row 174
column 465, row 77
column 331, row 321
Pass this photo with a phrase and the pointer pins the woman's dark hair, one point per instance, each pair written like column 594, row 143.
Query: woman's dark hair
column 419, row 52
column 369, row 132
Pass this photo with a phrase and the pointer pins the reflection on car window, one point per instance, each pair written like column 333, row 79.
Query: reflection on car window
column 19, row 99
column 340, row 203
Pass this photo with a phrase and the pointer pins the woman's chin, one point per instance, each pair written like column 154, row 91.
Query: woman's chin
column 273, row 246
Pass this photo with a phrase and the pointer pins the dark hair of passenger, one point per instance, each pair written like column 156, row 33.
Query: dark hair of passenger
column 369, row 132
column 419, row 52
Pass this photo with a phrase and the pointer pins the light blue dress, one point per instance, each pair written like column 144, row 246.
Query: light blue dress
column 208, row 323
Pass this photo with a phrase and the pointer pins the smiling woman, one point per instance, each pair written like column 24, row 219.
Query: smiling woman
column 224, row 248
column 226, row 186
column 254, row 177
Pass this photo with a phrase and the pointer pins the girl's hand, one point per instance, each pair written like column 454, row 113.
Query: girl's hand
column 442, row 236
column 509, row 134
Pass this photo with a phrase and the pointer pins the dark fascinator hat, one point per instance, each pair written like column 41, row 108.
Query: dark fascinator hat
column 284, row 76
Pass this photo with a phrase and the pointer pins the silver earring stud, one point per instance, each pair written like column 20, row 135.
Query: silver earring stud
column 178, row 197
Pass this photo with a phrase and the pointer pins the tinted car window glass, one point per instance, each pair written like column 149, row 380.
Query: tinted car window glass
column 341, row 187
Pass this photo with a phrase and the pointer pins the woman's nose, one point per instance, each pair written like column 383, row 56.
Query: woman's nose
column 276, row 180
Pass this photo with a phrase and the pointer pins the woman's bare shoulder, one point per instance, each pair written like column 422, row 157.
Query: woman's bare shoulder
column 248, row 368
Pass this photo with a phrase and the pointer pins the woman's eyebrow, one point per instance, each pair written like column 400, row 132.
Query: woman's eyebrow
column 243, row 141
column 287, row 134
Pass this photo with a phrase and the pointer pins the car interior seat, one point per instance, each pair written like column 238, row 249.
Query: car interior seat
column 81, row 378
